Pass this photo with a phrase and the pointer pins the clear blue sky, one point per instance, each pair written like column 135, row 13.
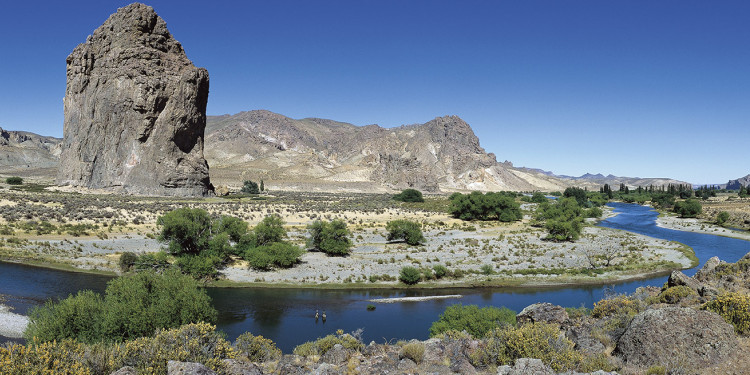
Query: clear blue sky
column 632, row 88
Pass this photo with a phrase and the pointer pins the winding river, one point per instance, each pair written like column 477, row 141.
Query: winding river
column 287, row 315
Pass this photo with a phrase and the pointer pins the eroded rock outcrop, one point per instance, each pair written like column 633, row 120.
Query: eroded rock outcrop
column 135, row 110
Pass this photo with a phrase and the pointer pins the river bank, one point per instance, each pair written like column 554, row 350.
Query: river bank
column 12, row 325
column 671, row 221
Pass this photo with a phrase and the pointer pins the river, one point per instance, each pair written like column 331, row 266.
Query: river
column 287, row 315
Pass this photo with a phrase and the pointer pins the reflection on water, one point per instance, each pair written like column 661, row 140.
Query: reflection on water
column 287, row 316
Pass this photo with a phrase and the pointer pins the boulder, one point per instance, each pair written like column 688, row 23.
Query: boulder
column 188, row 368
column 336, row 355
column 678, row 278
column 708, row 268
column 543, row 312
column 526, row 366
column 127, row 370
column 134, row 111
column 676, row 336
column 235, row 367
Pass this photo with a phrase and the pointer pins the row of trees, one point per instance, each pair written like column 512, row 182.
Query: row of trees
column 501, row 206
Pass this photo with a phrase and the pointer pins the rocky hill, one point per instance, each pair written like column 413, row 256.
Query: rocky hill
column 441, row 155
column 735, row 184
column 28, row 154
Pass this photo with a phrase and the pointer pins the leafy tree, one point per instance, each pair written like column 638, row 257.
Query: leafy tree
column 262, row 186
column 744, row 191
column 477, row 206
column 278, row 254
column 331, row 238
column 472, row 319
column 127, row 261
column 186, row 230
column 722, row 218
column 409, row 195
column 538, row 197
column 250, row 187
column 440, row 271
column 232, row 226
column 269, row 230
column 563, row 219
column 14, row 181
column 577, row 193
column 404, row 230
column 688, row 208
column 409, row 275
column 133, row 306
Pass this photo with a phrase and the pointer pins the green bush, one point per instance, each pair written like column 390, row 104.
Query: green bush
column 409, row 275
column 676, row 294
column 688, row 208
column 157, row 262
column 185, row 230
column 722, row 218
column 413, row 350
column 487, row 269
column 409, row 195
column 321, row 346
column 278, row 254
column 503, row 346
column 563, row 219
column 331, row 238
column 734, row 307
column 14, row 181
column 500, row 206
column 77, row 317
column 250, row 187
column 127, row 261
column 578, row 194
column 404, row 230
column 476, row 321
column 269, row 230
column 440, row 271
column 56, row 357
column 538, row 198
column 256, row 348
column 200, row 267
column 593, row 212
column 133, row 306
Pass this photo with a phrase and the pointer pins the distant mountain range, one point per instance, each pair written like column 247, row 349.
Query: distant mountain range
column 441, row 155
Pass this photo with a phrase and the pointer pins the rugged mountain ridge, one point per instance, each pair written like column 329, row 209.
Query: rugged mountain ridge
column 599, row 179
column 135, row 110
column 443, row 154
column 735, row 184
column 28, row 154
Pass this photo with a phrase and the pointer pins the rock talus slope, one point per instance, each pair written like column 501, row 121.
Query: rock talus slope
column 135, row 111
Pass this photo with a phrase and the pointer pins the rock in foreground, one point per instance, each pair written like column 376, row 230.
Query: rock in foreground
column 135, row 111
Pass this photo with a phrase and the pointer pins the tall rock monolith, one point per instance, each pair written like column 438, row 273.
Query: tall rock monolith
column 135, row 111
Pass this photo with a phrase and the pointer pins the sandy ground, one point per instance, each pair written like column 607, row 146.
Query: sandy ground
column 697, row 226
column 12, row 325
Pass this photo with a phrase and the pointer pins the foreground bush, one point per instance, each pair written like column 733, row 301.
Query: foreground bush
column 133, row 306
column 256, row 348
column 734, row 308
column 321, row 346
column 404, row 230
column 472, row 319
column 49, row 358
column 534, row 340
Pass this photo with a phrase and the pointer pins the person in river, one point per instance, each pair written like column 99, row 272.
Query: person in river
column 316, row 315
column 324, row 316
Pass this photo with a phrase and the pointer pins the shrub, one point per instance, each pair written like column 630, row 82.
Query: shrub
column 440, row 271
column 734, row 307
column 616, row 305
column 56, row 357
column 413, row 350
column 500, row 206
column 535, row 340
column 200, row 267
column 185, row 230
column 722, row 217
column 77, row 317
column 476, row 321
column 279, row 254
column 133, row 306
column 409, row 275
column 576, row 193
column 189, row 343
column 563, row 219
column 321, row 346
column 14, row 181
column 409, row 195
column 127, row 261
column 538, row 198
column 676, row 294
column 593, row 212
column 688, row 208
column 370, row 307
column 256, row 348
column 250, row 187
column 269, row 230
column 157, row 262
column 487, row 270
column 331, row 238
column 404, row 230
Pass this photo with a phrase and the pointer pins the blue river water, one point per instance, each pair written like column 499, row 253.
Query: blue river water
column 287, row 315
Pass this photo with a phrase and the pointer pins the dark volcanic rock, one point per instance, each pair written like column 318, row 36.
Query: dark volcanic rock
column 135, row 110
column 676, row 336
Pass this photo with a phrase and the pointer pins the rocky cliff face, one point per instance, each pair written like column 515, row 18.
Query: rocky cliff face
column 735, row 184
column 441, row 155
column 135, row 110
